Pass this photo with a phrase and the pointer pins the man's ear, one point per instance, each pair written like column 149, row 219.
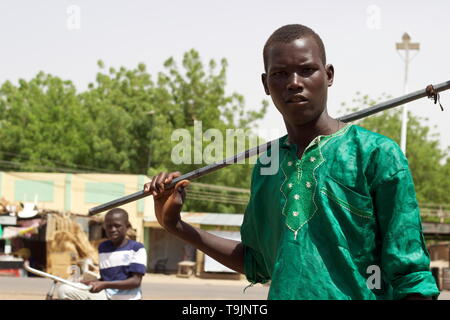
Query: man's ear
column 330, row 74
column 264, row 81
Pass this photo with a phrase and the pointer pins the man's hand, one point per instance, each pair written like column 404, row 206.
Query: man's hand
column 168, row 203
column 134, row 281
column 97, row 286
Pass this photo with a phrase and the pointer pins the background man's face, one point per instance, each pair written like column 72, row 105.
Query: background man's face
column 297, row 80
column 115, row 227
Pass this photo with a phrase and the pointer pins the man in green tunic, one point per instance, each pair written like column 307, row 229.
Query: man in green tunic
column 339, row 219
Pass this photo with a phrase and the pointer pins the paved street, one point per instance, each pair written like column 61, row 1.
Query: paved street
column 155, row 287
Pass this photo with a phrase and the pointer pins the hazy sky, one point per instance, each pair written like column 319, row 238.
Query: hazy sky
column 66, row 38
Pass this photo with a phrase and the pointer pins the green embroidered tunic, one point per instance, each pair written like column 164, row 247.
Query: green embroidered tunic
column 342, row 222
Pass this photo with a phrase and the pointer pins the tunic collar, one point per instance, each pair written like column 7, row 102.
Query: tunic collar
column 286, row 144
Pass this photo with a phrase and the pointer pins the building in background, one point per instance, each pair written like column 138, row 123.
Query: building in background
column 166, row 251
column 77, row 193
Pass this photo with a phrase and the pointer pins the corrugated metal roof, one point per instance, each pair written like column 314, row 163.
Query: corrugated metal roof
column 214, row 219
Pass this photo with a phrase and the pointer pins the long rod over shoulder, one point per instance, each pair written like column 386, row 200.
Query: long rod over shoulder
column 392, row 103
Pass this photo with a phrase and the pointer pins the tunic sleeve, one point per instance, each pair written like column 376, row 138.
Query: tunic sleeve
column 254, row 262
column 405, row 260
column 254, row 266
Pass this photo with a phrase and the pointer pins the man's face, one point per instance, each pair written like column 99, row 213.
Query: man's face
column 115, row 227
column 297, row 80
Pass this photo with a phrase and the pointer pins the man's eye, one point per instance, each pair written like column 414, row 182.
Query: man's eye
column 308, row 71
column 278, row 73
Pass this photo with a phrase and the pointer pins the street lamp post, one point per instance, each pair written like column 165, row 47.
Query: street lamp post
column 406, row 45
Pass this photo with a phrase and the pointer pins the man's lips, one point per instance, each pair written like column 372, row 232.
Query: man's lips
column 296, row 99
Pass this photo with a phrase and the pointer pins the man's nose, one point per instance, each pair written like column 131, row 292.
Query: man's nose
column 294, row 82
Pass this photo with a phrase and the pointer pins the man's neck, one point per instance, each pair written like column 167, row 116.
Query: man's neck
column 120, row 243
column 302, row 135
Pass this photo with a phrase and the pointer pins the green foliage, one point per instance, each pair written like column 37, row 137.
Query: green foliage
column 193, row 95
column 422, row 148
column 41, row 124
column 123, row 122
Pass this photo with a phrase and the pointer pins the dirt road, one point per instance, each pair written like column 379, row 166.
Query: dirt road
column 154, row 287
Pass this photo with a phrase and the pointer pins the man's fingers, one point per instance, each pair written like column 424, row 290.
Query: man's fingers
column 177, row 197
column 166, row 179
column 154, row 184
column 181, row 188
column 157, row 185
column 181, row 185
column 175, row 174
column 180, row 192
column 172, row 176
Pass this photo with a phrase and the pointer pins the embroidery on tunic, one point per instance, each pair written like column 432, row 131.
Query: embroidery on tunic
column 304, row 207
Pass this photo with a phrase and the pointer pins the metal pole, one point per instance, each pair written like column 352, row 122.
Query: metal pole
column 262, row 148
column 406, row 45
column 405, row 107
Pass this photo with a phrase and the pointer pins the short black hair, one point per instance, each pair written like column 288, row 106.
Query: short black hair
column 118, row 211
column 289, row 33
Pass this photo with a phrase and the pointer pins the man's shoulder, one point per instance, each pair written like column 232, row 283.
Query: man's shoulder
column 370, row 140
column 135, row 246
column 363, row 133
column 382, row 155
column 104, row 246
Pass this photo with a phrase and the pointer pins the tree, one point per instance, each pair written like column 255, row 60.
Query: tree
column 118, row 105
column 123, row 122
column 423, row 152
column 41, row 125
column 196, row 94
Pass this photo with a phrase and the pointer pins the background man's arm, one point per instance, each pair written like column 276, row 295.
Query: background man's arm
column 131, row 283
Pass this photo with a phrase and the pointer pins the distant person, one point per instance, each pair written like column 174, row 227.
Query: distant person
column 123, row 263
column 339, row 219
